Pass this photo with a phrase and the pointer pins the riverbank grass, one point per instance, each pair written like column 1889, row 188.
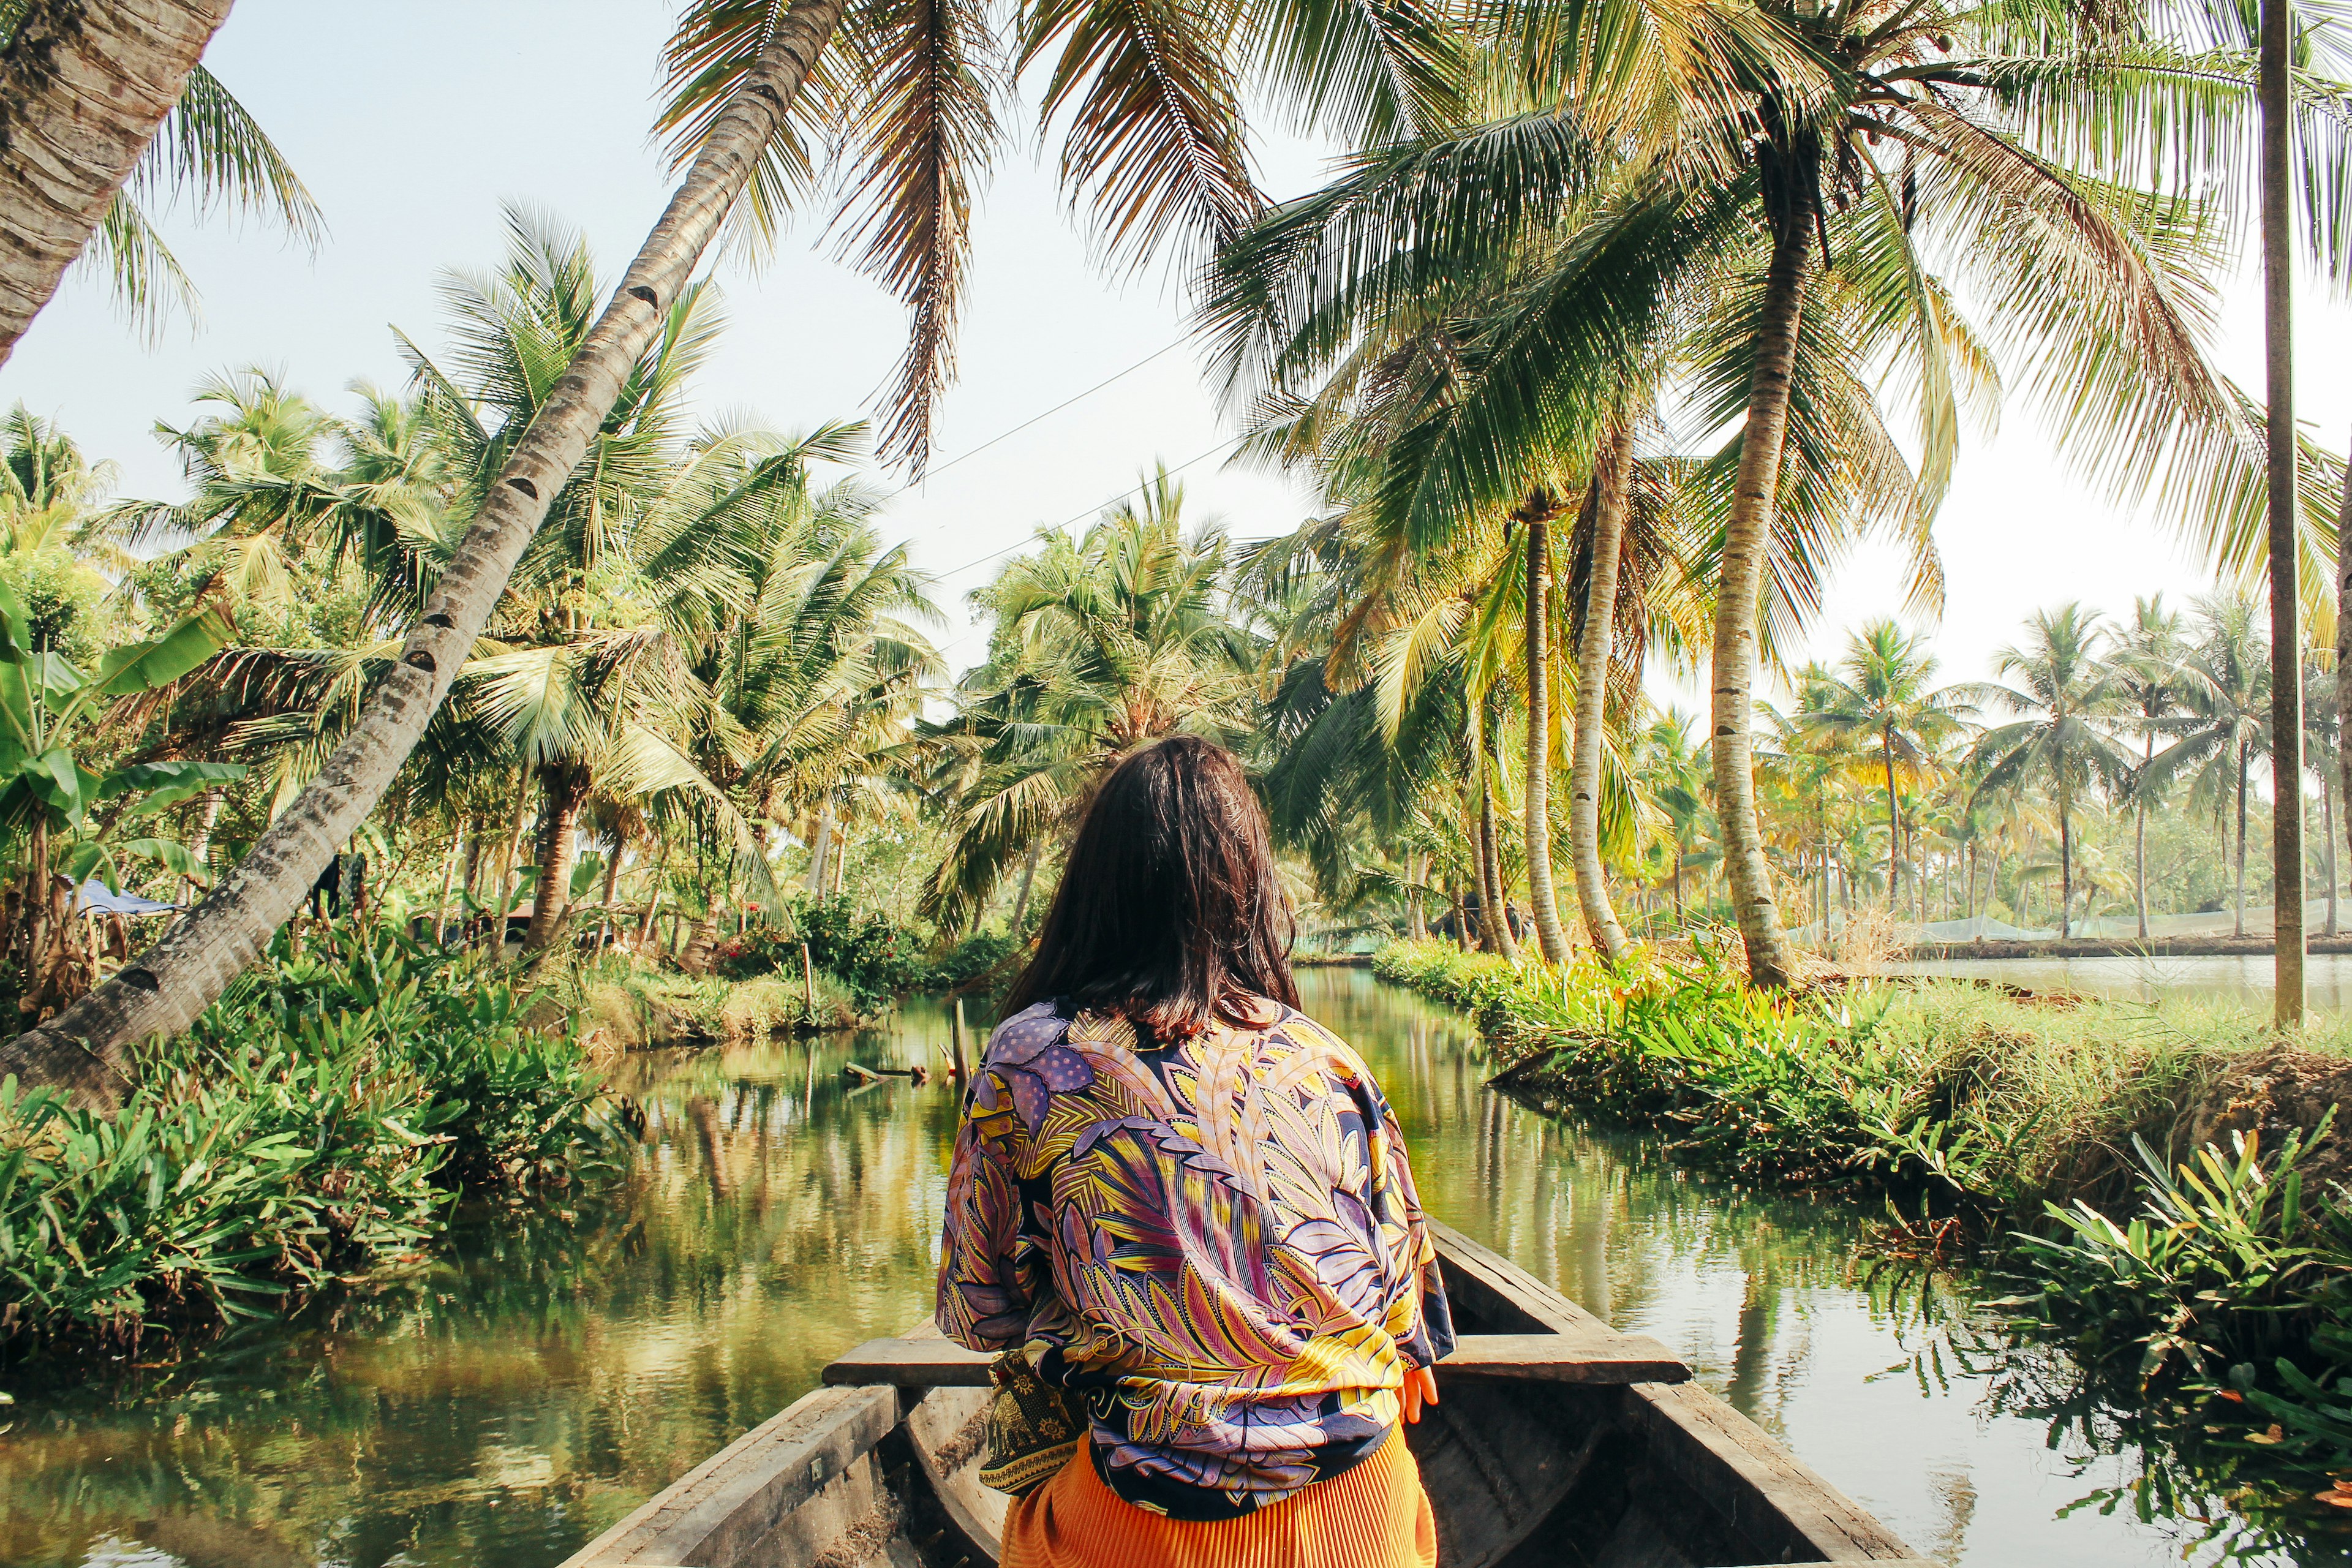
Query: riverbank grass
column 1962, row 1096
column 2212, row 1282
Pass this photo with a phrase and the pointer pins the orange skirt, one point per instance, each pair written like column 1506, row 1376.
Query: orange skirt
column 1373, row 1515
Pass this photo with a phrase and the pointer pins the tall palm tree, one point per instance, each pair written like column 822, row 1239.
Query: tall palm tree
column 1882, row 694
column 1101, row 645
column 1610, row 498
column 1825, row 194
column 2070, row 693
column 2226, row 723
column 1149, row 101
column 2149, row 657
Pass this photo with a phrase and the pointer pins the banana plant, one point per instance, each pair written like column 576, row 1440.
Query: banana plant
column 49, row 711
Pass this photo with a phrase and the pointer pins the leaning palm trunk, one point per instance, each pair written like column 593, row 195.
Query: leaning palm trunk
column 1747, row 541
column 695, row 959
column 83, row 87
column 163, row 990
column 1612, row 483
column 1543, row 902
column 551, row 908
column 821, row 846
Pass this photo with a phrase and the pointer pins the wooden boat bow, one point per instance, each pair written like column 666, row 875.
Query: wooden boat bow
column 1559, row 1442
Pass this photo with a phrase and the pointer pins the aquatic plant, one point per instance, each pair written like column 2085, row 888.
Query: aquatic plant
column 2229, row 1261
column 320, row 1117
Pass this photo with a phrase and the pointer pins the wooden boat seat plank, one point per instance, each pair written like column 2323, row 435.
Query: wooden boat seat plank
column 1586, row 1356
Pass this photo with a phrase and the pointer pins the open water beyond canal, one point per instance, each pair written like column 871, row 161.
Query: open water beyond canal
column 503, row 1406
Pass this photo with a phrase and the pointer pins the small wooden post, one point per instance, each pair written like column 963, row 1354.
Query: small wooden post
column 955, row 1033
column 808, row 985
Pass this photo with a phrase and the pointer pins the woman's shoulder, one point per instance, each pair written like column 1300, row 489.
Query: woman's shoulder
column 1301, row 1030
column 1021, row 1037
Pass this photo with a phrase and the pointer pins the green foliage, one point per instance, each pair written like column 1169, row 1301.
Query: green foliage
column 984, row 960
column 1979, row 1104
column 2229, row 1260
column 317, row 1119
column 872, row 957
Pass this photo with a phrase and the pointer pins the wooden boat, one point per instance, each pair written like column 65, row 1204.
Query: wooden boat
column 1559, row 1442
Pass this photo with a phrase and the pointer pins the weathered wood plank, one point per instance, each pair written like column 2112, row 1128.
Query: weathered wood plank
column 1759, row 1489
column 814, row 1450
column 1587, row 1356
column 1563, row 1358
column 911, row 1363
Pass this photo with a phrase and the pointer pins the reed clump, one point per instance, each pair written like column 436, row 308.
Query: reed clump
column 322, row 1117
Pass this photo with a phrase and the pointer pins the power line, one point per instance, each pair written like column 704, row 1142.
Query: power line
column 1096, row 509
column 1007, row 435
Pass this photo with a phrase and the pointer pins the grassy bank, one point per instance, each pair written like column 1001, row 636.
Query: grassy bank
column 2211, row 1284
column 619, row 1006
column 1970, row 1100
column 322, row 1116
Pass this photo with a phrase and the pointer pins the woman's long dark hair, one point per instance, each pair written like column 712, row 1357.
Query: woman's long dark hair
column 1169, row 913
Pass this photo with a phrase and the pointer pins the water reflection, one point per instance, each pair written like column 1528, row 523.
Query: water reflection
column 2242, row 980
column 505, row 1404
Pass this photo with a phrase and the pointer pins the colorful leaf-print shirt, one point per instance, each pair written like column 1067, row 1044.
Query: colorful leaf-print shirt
column 1215, row 1244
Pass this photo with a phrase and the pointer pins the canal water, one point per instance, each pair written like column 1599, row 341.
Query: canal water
column 2239, row 981
column 505, row 1403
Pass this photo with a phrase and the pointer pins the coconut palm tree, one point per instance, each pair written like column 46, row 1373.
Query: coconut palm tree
column 1671, row 777
column 1882, row 694
column 1101, row 645
column 808, row 647
column 2225, row 725
column 2070, row 693
column 94, row 100
column 1148, row 102
column 2150, row 660
column 284, row 493
column 2323, row 741
column 1925, row 152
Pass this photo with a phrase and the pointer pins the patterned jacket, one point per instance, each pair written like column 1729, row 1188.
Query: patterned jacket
column 1215, row 1244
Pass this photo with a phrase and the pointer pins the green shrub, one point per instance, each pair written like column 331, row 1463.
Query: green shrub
column 982, row 960
column 317, row 1119
column 2230, row 1260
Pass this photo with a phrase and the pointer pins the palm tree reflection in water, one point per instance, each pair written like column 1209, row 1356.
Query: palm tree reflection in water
column 507, row 1401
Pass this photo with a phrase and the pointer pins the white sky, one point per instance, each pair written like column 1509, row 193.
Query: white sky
column 413, row 122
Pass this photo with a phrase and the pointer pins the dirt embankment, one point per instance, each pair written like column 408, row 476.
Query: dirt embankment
column 2276, row 1091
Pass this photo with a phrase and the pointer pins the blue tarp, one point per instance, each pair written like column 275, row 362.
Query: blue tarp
column 95, row 900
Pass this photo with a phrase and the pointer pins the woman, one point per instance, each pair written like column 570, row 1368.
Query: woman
column 1188, row 1206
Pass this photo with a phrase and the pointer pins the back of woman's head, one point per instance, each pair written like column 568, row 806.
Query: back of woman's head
column 1169, row 910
